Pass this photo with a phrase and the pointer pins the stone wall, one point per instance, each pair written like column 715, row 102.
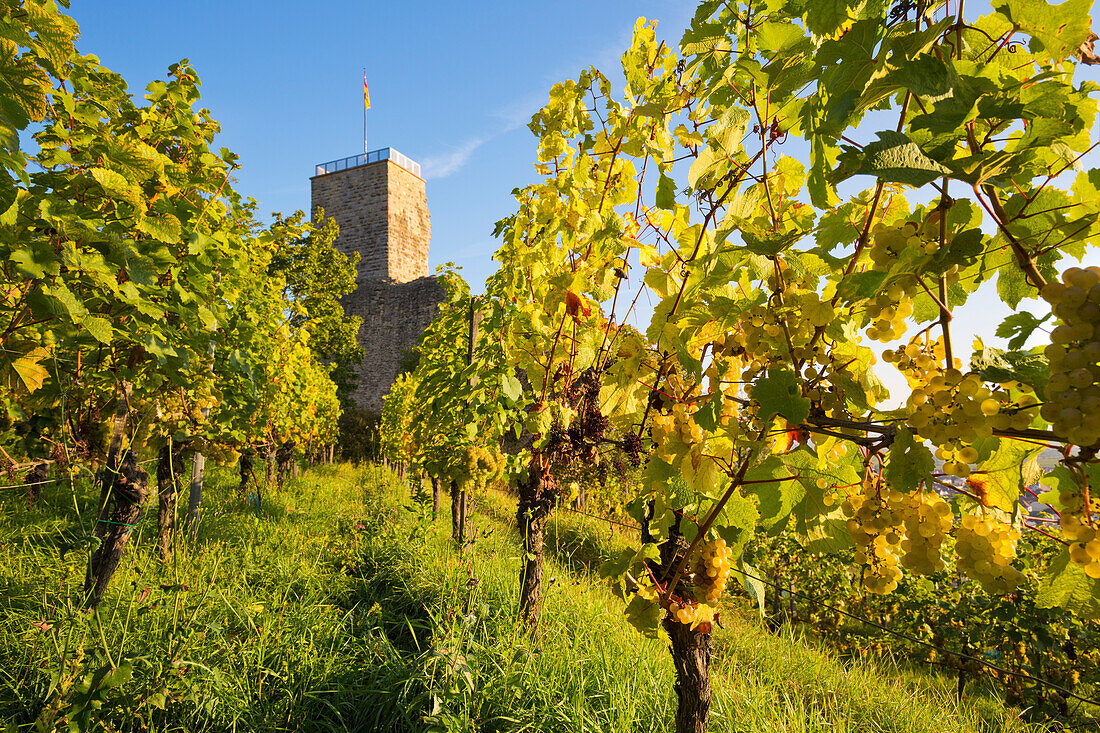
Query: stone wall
column 394, row 315
column 382, row 211
column 409, row 226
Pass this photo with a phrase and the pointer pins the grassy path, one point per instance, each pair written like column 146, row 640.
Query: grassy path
column 596, row 673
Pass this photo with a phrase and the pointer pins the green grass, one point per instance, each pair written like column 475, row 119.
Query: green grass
column 341, row 606
column 247, row 627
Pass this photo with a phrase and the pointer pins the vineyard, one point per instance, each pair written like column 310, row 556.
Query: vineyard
column 781, row 410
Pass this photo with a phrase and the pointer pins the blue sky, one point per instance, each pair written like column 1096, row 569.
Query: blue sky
column 452, row 86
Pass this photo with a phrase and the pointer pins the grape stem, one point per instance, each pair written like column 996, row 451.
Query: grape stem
column 1023, row 259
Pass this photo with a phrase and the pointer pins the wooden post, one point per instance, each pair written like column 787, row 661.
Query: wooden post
column 198, row 465
column 437, row 497
column 474, row 319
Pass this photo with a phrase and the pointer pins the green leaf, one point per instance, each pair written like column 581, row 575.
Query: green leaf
column 737, row 521
column 23, row 373
column 115, row 185
column 893, row 158
column 778, row 493
column 1066, row 585
column 1018, row 327
column 818, row 527
column 749, row 578
column 908, row 463
column 100, row 328
column 826, row 17
column 645, row 615
column 159, row 348
column 627, row 560
column 997, row 365
column 511, row 387
column 666, row 193
column 779, row 392
column 36, row 260
column 1004, row 470
column 165, row 227
column 926, row 76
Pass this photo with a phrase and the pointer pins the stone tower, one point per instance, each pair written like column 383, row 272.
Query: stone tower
column 379, row 202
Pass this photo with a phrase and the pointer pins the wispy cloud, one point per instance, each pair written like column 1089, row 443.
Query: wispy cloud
column 518, row 112
column 441, row 166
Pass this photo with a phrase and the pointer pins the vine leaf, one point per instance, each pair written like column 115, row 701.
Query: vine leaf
column 780, row 393
column 100, row 328
column 925, row 76
column 1003, row 479
column 1057, row 29
column 25, row 373
column 666, row 193
column 1067, row 586
column 752, row 585
column 777, row 493
column 1018, row 328
column 908, row 463
column 997, row 365
column 893, row 158
column 644, row 613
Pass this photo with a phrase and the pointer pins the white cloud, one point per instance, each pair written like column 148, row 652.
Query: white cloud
column 441, row 166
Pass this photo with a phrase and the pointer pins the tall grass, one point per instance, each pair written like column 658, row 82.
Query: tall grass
column 340, row 605
column 245, row 628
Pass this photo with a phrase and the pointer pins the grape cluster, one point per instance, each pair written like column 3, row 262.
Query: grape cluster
column 888, row 241
column 953, row 409
column 986, row 550
column 919, row 359
column 1073, row 391
column 876, row 523
column 889, row 309
column 691, row 614
column 712, row 569
column 838, row 450
column 1079, row 528
column 928, row 519
column 477, row 467
column 674, row 433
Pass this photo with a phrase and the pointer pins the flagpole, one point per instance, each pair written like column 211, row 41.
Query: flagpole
column 364, row 111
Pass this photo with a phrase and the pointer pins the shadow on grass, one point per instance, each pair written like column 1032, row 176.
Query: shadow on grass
column 579, row 549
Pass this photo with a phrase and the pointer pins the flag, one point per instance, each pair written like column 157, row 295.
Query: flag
column 366, row 94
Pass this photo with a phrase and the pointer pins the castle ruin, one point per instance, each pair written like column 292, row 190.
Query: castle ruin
column 379, row 202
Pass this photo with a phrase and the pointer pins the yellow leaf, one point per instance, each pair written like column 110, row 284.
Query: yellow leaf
column 648, row 256
column 24, row 373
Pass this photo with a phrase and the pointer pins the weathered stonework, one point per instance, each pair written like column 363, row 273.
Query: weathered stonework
column 382, row 211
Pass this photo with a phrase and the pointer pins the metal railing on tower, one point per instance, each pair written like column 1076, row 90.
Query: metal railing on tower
column 373, row 156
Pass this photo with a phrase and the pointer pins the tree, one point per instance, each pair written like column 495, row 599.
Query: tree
column 317, row 276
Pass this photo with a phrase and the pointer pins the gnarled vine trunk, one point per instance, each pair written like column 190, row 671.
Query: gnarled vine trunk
column 458, row 513
column 283, row 457
column 246, row 472
column 170, row 468
column 691, row 649
column 35, row 478
column 125, row 488
column 691, row 653
column 535, row 502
